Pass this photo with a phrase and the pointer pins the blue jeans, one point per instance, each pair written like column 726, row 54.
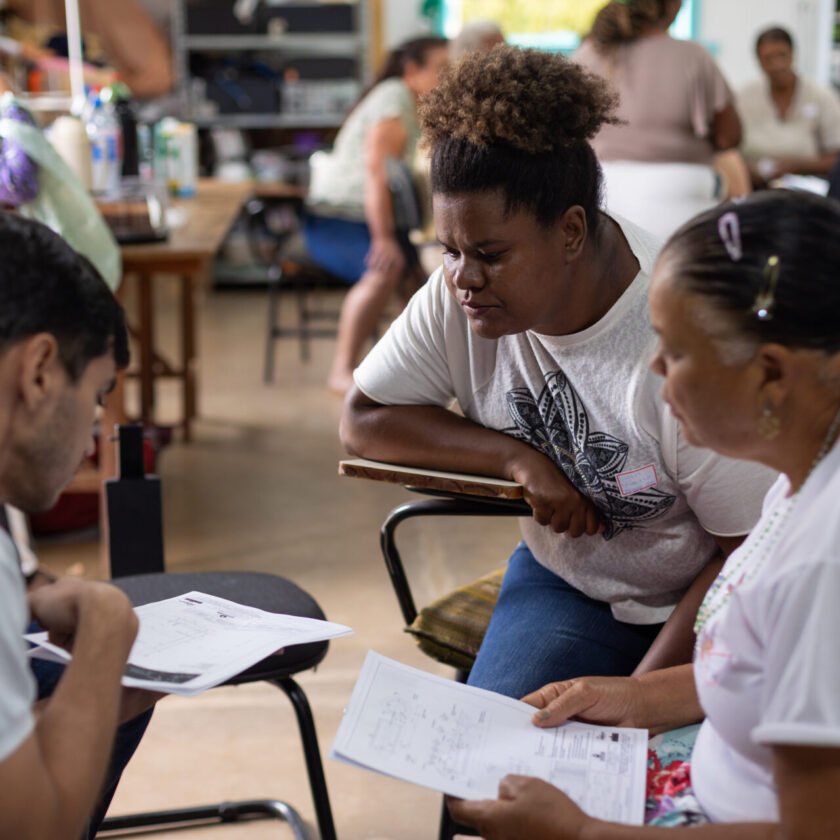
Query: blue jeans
column 543, row 630
column 128, row 736
column 341, row 246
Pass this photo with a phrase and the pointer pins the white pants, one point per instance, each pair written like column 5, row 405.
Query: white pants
column 659, row 197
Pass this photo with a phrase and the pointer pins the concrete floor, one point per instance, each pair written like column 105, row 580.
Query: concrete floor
column 258, row 490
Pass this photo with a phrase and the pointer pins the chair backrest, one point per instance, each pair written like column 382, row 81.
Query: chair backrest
column 404, row 198
column 134, row 511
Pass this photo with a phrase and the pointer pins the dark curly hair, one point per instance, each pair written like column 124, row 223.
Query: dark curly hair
column 519, row 121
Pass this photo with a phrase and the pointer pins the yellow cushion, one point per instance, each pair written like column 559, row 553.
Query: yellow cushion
column 451, row 628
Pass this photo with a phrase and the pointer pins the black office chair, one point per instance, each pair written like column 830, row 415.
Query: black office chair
column 134, row 516
column 444, row 504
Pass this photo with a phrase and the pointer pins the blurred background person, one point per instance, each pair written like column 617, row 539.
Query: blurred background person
column 476, row 35
column 123, row 36
column 349, row 228
column 791, row 124
column 676, row 112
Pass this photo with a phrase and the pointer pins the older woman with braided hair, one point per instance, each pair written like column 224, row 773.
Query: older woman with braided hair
column 746, row 302
column 537, row 325
column 675, row 112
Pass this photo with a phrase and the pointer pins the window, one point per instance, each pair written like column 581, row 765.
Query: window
column 556, row 25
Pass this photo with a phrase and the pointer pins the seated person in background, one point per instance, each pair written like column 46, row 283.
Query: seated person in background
column 476, row 35
column 675, row 111
column 349, row 229
column 62, row 338
column 131, row 41
column 746, row 302
column 537, row 324
column 791, row 124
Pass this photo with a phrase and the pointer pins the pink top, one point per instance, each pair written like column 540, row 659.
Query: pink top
column 669, row 92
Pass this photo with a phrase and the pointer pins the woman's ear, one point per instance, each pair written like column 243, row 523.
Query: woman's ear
column 777, row 370
column 42, row 371
column 573, row 225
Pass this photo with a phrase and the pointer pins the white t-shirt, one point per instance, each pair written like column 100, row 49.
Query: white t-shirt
column 766, row 666
column 337, row 186
column 18, row 685
column 589, row 402
column 810, row 128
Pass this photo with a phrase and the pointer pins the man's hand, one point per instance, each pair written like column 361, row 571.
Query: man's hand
column 556, row 502
column 59, row 607
column 610, row 701
column 526, row 808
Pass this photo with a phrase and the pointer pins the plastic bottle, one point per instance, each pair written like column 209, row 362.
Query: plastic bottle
column 103, row 130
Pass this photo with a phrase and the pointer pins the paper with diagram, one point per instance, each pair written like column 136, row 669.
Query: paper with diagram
column 462, row 741
column 195, row 641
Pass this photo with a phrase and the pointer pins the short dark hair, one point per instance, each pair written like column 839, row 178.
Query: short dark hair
column 774, row 35
column 519, row 121
column 801, row 231
column 45, row 286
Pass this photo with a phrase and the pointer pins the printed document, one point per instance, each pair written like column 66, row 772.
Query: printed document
column 195, row 641
column 462, row 741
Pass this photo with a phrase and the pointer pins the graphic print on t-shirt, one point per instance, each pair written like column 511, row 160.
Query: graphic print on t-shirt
column 557, row 425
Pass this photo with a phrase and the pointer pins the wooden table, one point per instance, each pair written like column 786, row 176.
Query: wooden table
column 187, row 254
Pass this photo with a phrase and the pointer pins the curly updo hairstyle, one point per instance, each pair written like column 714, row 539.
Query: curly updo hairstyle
column 623, row 21
column 519, row 121
column 724, row 256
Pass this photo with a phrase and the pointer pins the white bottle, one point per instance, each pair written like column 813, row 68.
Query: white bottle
column 70, row 140
column 105, row 135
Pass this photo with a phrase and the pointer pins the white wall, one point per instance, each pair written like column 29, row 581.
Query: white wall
column 729, row 28
column 403, row 21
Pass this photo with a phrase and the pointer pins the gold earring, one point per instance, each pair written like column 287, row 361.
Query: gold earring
column 769, row 425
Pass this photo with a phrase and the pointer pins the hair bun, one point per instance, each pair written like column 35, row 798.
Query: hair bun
column 535, row 102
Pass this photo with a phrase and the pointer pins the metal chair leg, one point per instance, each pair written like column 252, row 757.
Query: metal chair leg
column 274, row 275
column 224, row 812
column 314, row 766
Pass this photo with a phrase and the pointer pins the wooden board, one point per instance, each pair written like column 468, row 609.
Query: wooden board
column 470, row 485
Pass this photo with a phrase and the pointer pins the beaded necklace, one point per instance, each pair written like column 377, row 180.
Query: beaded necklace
column 761, row 544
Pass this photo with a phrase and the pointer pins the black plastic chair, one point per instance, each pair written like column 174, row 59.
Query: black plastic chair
column 131, row 507
column 444, row 504
column 288, row 268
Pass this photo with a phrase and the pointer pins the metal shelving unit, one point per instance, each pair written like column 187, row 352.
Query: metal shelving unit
column 313, row 106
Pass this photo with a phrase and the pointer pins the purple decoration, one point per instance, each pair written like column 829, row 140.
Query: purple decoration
column 18, row 172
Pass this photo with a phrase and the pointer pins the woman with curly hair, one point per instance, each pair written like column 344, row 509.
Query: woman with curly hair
column 536, row 323
column 675, row 111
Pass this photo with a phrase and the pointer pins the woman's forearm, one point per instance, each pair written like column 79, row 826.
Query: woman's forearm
column 669, row 699
column 379, row 211
column 428, row 436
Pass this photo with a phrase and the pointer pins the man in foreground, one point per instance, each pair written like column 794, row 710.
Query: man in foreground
column 62, row 340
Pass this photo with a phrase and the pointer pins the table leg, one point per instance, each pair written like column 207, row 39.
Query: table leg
column 188, row 359
column 146, row 335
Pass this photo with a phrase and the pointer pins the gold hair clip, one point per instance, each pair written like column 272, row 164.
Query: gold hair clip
column 765, row 300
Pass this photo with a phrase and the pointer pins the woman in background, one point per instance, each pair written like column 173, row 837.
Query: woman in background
column 791, row 124
column 675, row 111
column 350, row 228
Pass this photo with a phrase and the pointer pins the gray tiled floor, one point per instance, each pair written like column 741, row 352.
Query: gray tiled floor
column 257, row 489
